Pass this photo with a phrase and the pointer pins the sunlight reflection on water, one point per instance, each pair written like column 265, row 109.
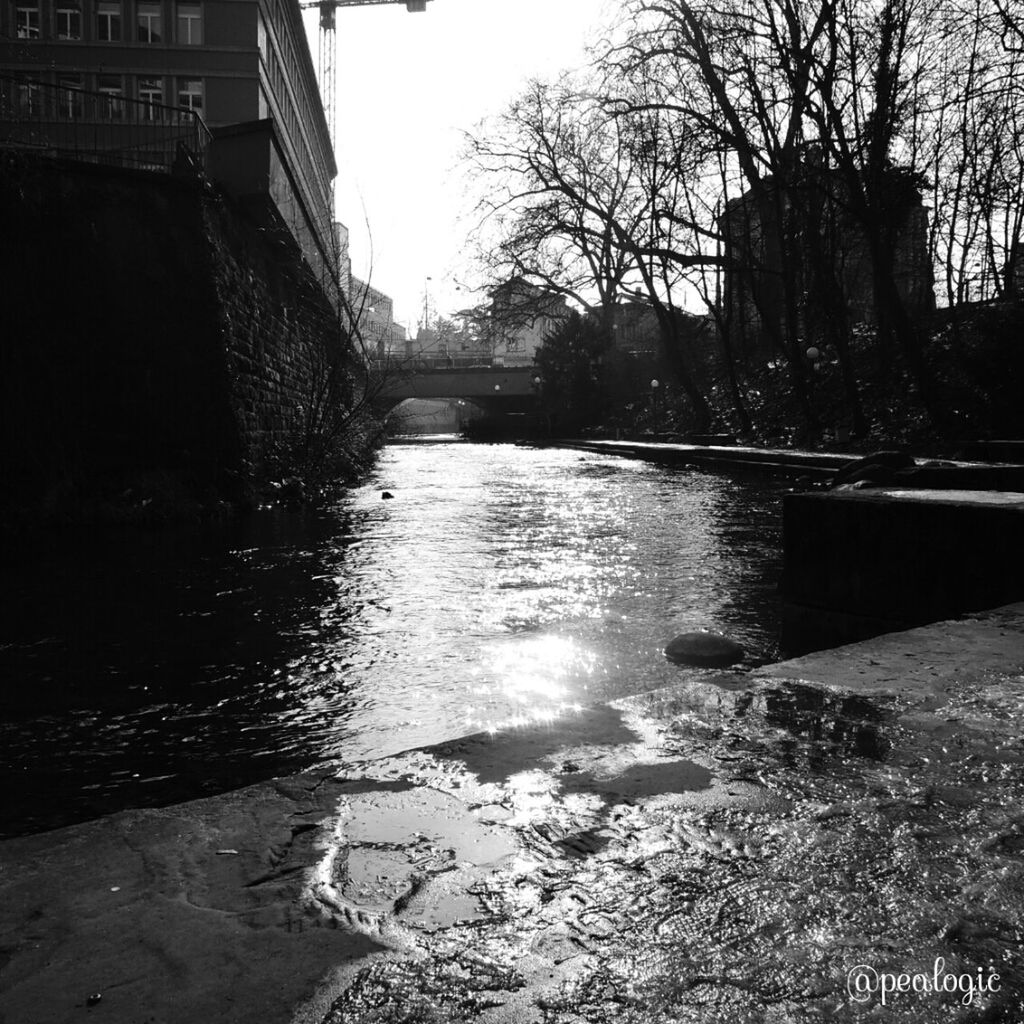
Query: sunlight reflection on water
column 519, row 583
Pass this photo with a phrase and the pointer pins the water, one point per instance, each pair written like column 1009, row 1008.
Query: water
column 500, row 586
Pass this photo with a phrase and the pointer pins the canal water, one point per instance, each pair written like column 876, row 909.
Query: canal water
column 499, row 586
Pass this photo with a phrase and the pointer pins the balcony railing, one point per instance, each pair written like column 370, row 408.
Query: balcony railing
column 98, row 127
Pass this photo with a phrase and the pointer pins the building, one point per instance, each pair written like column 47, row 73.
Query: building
column 106, row 80
column 453, row 341
column 831, row 241
column 370, row 312
column 521, row 315
column 373, row 312
column 635, row 327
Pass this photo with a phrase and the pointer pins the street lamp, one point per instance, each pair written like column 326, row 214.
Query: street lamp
column 655, row 384
column 426, row 301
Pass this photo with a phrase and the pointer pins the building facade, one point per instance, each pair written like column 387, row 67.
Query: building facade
column 374, row 316
column 242, row 66
column 828, row 261
column 635, row 327
column 521, row 316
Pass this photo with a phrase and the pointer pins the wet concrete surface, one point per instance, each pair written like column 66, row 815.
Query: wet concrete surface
column 757, row 839
column 729, row 848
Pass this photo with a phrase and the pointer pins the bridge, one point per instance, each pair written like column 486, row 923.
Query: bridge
column 494, row 388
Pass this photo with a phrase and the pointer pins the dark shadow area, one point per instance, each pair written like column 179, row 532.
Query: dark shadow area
column 496, row 758
column 642, row 780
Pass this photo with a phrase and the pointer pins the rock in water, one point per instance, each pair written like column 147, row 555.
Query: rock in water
column 706, row 650
column 385, row 495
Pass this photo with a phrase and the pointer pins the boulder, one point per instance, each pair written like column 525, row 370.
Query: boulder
column 705, row 650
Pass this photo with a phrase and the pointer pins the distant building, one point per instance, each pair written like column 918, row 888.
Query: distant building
column 111, row 69
column 753, row 288
column 373, row 312
column 635, row 327
column 341, row 248
column 521, row 316
column 455, row 339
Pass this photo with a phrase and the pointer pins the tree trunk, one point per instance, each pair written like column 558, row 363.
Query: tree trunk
column 674, row 350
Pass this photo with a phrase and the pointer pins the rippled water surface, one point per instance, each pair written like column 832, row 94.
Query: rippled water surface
column 500, row 585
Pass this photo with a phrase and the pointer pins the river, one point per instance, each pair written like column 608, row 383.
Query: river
column 499, row 586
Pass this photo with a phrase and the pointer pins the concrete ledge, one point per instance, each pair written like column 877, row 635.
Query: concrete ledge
column 819, row 466
column 816, row 465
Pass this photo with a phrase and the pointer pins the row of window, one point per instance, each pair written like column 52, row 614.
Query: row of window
column 72, row 103
column 293, row 123
column 111, row 19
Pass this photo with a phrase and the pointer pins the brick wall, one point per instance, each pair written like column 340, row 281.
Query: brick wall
column 146, row 325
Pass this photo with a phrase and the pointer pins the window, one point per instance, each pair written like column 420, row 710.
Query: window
column 148, row 19
column 27, row 20
column 151, row 93
column 69, row 96
column 190, row 94
column 69, row 21
column 112, row 90
column 29, row 97
column 108, row 21
column 190, row 24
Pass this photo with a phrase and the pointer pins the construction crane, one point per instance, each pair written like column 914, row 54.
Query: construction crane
column 328, row 45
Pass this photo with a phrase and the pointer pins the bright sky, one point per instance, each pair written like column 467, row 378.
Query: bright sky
column 408, row 85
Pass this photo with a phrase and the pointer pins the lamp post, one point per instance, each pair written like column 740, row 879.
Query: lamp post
column 655, row 384
column 426, row 301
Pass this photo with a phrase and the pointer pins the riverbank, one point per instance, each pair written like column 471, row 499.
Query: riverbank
column 810, row 467
column 726, row 848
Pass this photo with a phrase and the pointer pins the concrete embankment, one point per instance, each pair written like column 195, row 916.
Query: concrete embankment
column 857, row 563
column 819, row 466
column 940, row 474
column 725, row 849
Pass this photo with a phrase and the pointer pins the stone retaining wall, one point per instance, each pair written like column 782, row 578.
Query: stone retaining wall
column 863, row 562
column 150, row 327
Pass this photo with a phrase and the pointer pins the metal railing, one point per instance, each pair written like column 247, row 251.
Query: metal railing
column 415, row 363
column 99, row 127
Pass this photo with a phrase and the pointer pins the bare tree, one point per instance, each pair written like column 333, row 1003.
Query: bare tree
column 575, row 201
column 557, row 181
